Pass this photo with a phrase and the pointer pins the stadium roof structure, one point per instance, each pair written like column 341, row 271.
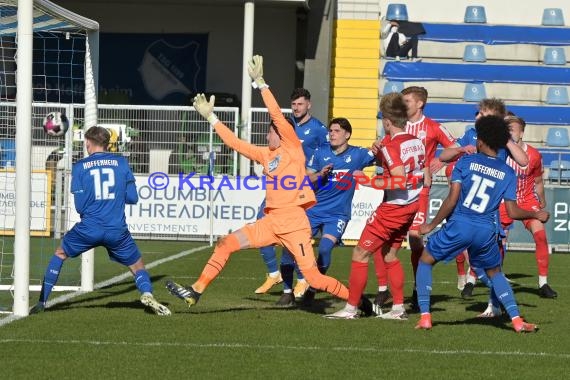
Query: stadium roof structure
column 47, row 17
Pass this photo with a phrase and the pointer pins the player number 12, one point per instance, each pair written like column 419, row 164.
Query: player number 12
column 103, row 180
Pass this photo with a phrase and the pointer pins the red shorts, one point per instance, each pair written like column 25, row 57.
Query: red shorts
column 506, row 221
column 421, row 216
column 389, row 224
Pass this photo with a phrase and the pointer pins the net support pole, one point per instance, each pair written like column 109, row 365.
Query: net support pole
column 91, row 84
column 23, row 152
column 248, row 26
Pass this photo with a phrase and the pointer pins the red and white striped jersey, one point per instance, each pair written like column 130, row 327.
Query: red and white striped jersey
column 405, row 150
column 431, row 133
column 526, row 175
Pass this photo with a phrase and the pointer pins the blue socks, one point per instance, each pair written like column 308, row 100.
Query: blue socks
column 142, row 281
column 423, row 285
column 287, row 269
column 269, row 257
column 482, row 276
column 504, row 293
column 50, row 277
column 325, row 253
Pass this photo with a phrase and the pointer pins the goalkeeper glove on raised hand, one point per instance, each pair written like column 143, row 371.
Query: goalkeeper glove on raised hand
column 255, row 71
column 205, row 108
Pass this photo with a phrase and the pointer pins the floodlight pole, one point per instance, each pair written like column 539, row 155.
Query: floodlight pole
column 23, row 166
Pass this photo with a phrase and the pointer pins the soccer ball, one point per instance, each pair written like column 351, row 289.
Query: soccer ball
column 55, row 124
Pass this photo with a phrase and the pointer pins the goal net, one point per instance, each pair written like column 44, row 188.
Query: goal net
column 55, row 71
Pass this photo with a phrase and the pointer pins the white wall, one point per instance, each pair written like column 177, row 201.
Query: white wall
column 519, row 12
column 274, row 35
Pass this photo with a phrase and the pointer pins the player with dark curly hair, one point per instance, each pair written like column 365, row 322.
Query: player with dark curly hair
column 479, row 183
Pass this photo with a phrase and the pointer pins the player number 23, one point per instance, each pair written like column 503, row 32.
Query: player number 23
column 103, row 180
column 477, row 199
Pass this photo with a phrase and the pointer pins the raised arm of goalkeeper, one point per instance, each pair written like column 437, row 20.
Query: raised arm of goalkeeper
column 286, row 133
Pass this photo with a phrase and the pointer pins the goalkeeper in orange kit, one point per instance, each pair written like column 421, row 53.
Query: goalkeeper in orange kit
column 285, row 222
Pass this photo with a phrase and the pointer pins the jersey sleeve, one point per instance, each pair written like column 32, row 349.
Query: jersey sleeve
column 315, row 162
column 79, row 193
column 323, row 135
column 286, row 131
column 458, row 169
column 251, row 151
column 443, row 137
column 131, row 196
column 467, row 138
column 391, row 156
column 510, row 186
column 366, row 158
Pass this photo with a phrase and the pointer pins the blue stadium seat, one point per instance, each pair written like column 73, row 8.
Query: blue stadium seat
column 475, row 14
column 392, row 86
column 552, row 17
column 559, row 171
column 557, row 137
column 397, row 12
column 474, row 92
column 474, row 53
column 554, row 56
column 557, row 95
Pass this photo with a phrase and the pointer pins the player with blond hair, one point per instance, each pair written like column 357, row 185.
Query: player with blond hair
column 402, row 157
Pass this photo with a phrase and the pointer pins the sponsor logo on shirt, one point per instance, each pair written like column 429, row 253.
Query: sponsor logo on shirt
column 273, row 164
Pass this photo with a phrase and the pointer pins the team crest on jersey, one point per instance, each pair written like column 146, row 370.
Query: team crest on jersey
column 273, row 164
column 307, row 131
column 326, row 158
column 348, row 159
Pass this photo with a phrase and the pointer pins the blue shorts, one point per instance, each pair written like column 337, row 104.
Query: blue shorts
column 119, row 243
column 330, row 225
column 455, row 237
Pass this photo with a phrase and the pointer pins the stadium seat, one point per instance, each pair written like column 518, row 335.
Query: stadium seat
column 552, row 17
column 397, row 12
column 559, row 170
column 475, row 14
column 557, row 95
column 554, row 56
column 392, row 86
column 474, row 92
column 474, row 53
column 557, row 137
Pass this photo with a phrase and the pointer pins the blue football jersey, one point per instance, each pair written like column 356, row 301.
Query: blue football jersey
column 470, row 138
column 334, row 194
column 102, row 184
column 312, row 134
column 485, row 182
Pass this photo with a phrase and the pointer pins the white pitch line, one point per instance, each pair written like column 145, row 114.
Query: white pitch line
column 283, row 347
column 111, row 281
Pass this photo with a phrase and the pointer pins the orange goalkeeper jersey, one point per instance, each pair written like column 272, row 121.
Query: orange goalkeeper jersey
column 286, row 182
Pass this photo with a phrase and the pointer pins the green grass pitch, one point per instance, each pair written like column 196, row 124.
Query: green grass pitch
column 234, row 333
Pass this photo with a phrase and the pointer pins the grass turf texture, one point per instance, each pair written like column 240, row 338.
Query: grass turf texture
column 233, row 333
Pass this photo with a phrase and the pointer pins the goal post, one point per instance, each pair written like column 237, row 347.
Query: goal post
column 31, row 32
